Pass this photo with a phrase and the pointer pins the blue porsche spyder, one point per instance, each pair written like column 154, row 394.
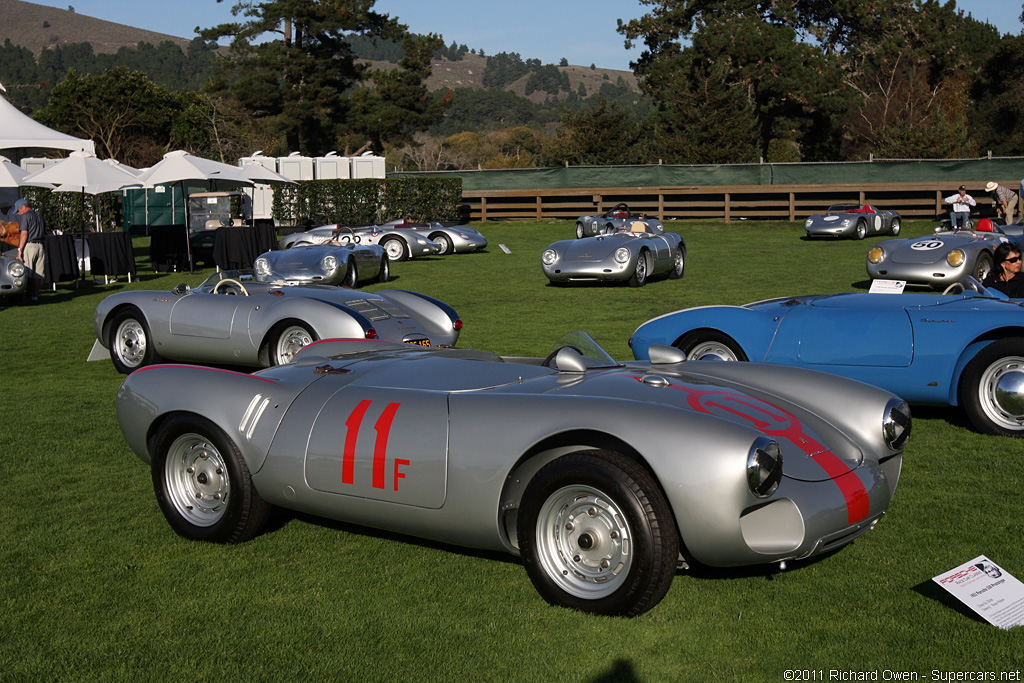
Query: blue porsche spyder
column 961, row 349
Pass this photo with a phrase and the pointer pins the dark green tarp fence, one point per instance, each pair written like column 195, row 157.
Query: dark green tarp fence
column 867, row 172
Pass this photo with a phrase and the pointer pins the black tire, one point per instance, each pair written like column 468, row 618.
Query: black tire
column 579, row 230
column 130, row 341
column 445, row 242
column 640, row 271
column 982, row 267
column 202, row 482
column 861, row 231
column 385, row 269
column 576, row 514
column 710, row 345
column 679, row 267
column 289, row 338
column 351, row 275
column 992, row 388
column 395, row 249
column 894, row 227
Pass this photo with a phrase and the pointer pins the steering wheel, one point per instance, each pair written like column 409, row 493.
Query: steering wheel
column 338, row 236
column 953, row 286
column 234, row 287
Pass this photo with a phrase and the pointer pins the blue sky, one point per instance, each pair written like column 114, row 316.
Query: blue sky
column 582, row 31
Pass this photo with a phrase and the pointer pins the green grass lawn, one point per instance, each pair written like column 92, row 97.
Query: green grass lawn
column 96, row 586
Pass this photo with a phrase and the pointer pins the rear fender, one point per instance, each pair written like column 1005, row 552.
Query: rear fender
column 972, row 350
column 436, row 317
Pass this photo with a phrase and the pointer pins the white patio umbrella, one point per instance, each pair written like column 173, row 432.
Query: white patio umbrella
column 124, row 167
column 12, row 175
column 179, row 166
column 84, row 173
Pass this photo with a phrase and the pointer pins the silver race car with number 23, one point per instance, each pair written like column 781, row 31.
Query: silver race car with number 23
column 604, row 477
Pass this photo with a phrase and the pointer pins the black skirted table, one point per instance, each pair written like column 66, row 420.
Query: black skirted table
column 111, row 253
column 168, row 247
column 61, row 259
column 238, row 247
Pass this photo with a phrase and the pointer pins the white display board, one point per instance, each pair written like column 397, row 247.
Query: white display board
column 988, row 589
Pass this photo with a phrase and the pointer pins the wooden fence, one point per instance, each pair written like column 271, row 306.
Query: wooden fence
column 736, row 202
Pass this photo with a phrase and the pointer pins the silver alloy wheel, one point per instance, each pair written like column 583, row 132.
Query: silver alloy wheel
column 1001, row 392
column 130, row 343
column 641, row 269
column 197, row 480
column 861, row 230
column 584, row 542
column 711, row 350
column 579, row 230
column 291, row 340
column 395, row 249
column 445, row 242
column 678, row 265
column 895, row 228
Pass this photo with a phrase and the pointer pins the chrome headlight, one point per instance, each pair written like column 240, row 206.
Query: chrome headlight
column 328, row 263
column 622, row 254
column 16, row 268
column 876, row 255
column 896, row 423
column 956, row 258
column 549, row 257
column 262, row 267
column 845, row 222
column 764, row 467
column 421, row 240
column 807, row 223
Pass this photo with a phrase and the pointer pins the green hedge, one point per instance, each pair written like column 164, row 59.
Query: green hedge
column 63, row 210
column 368, row 201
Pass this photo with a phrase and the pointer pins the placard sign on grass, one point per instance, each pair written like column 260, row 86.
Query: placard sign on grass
column 887, row 286
column 988, row 589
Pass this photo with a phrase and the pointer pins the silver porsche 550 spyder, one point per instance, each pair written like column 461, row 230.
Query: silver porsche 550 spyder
column 613, row 219
column 234, row 319
column 853, row 220
column 400, row 244
column 632, row 253
column 346, row 264
column 607, row 476
column 453, row 239
column 13, row 279
column 943, row 259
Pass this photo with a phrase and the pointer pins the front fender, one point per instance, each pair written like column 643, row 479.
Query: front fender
column 249, row 408
column 752, row 330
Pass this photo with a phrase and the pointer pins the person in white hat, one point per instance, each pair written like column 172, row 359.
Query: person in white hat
column 1005, row 200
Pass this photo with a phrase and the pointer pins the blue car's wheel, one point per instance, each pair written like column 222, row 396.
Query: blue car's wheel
column 710, row 345
column 597, row 535
column 202, row 483
column 992, row 388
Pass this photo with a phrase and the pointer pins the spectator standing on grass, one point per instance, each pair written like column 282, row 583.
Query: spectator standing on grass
column 1005, row 200
column 30, row 248
column 961, row 212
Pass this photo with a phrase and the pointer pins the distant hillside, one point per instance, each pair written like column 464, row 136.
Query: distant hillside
column 37, row 27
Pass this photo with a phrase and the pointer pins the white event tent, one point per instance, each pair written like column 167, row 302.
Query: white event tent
column 21, row 135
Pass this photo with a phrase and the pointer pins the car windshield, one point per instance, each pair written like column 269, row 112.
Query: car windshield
column 242, row 275
column 587, row 347
column 842, row 208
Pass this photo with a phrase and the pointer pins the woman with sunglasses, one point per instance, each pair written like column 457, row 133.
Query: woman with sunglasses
column 1006, row 275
